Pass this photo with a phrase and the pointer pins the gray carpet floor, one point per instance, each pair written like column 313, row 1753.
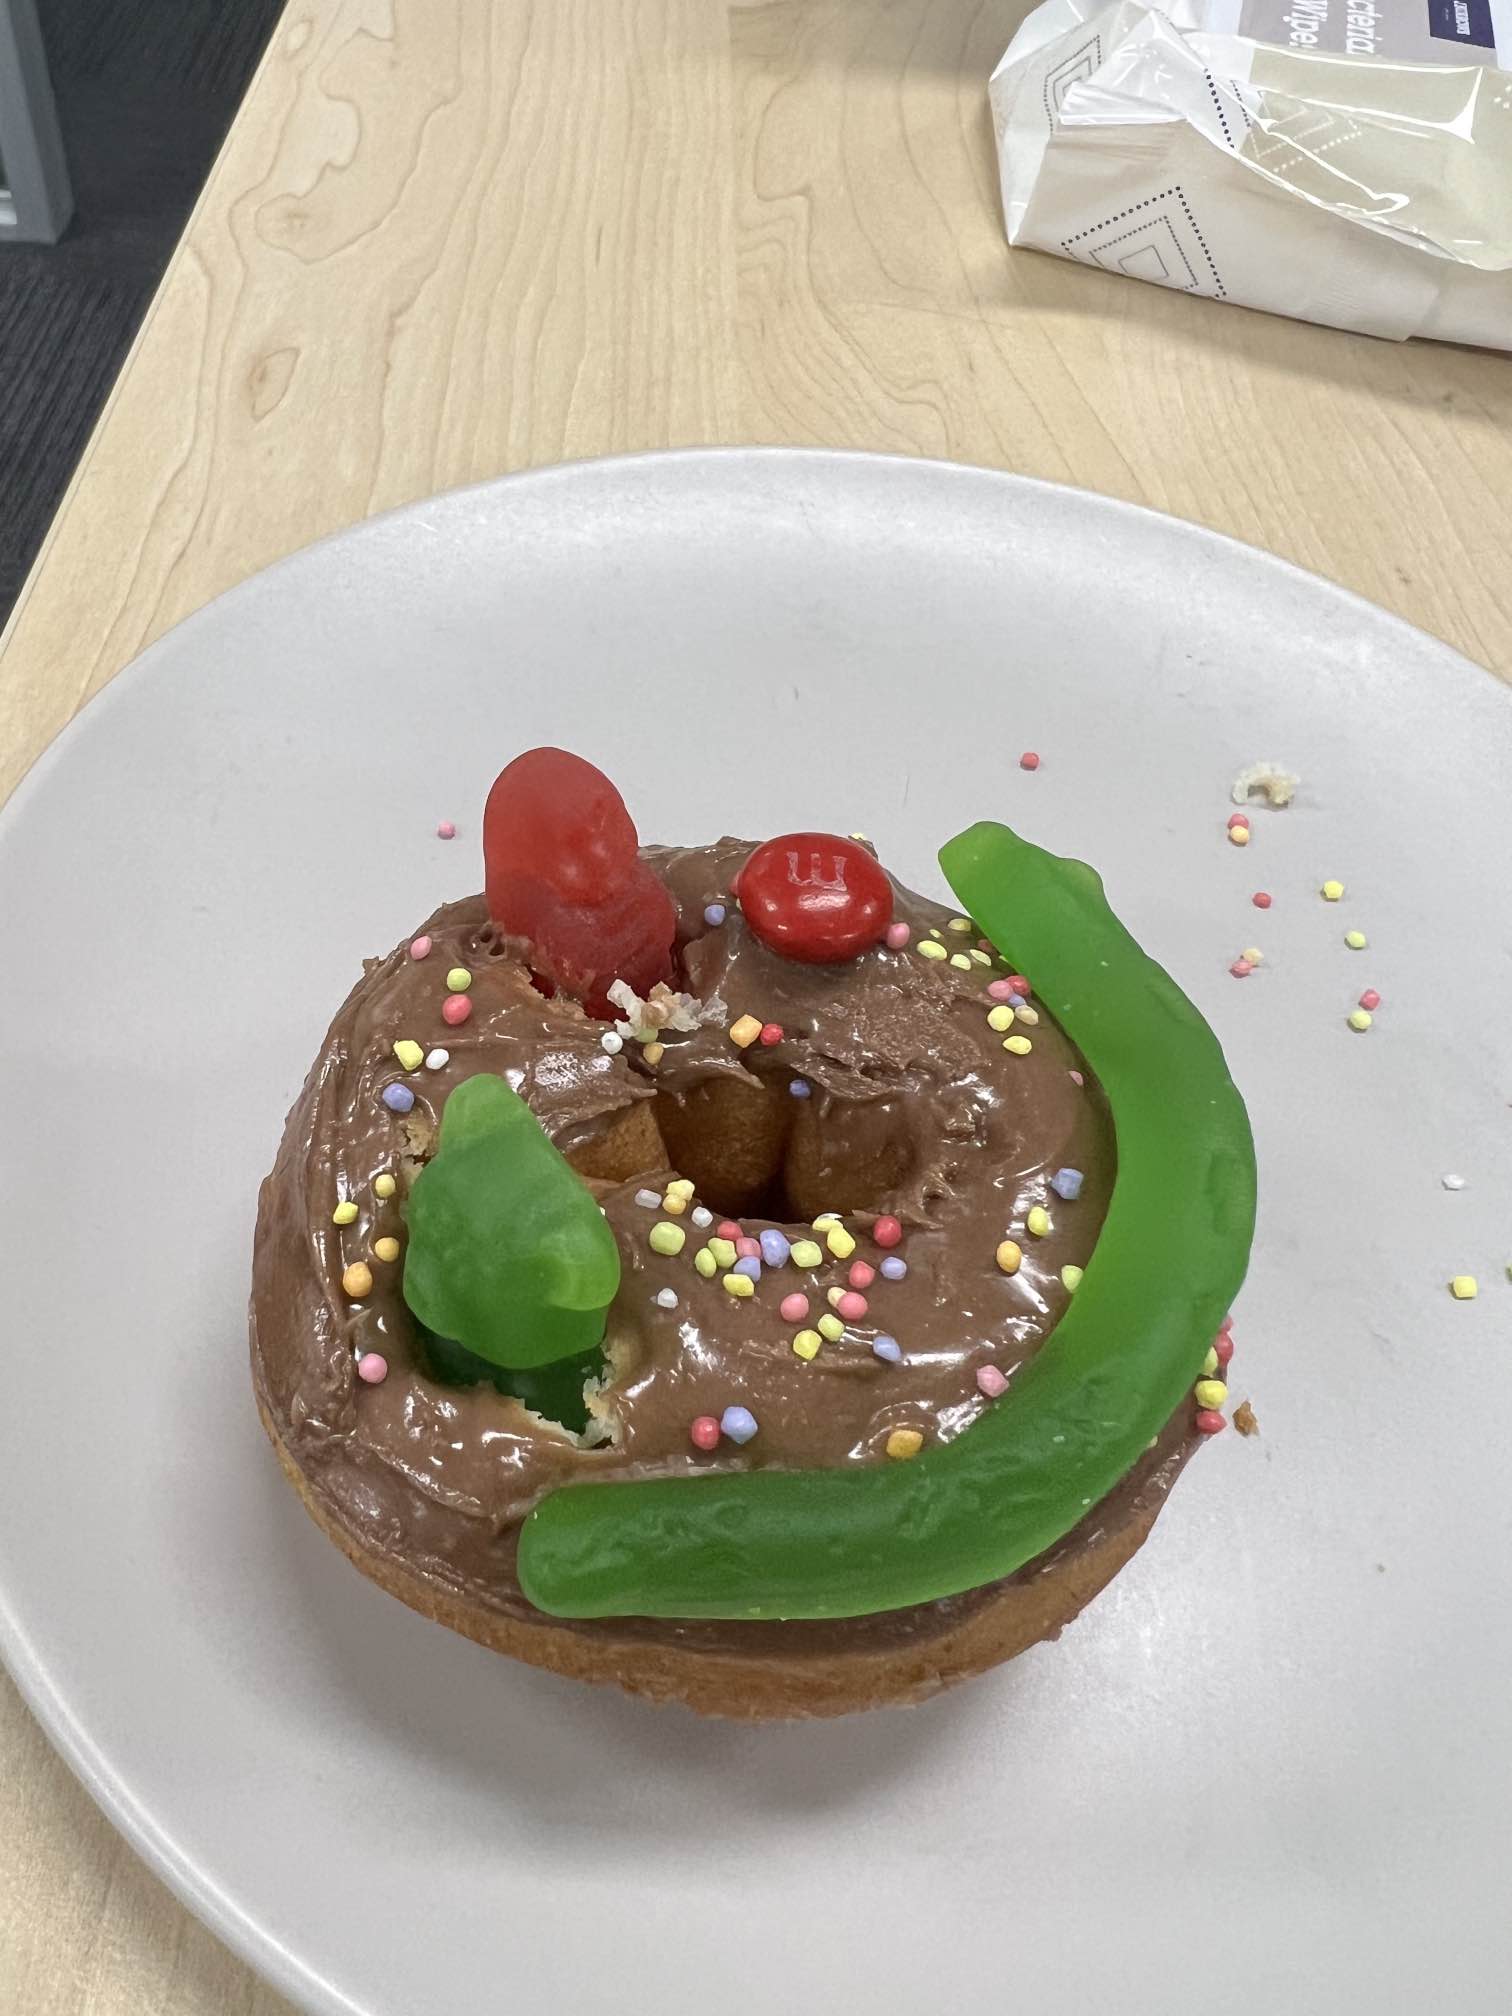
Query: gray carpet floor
column 146, row 90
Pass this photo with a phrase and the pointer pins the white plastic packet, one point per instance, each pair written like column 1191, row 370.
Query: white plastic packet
column 1344, row 161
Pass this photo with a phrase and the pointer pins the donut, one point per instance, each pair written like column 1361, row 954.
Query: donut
column 799, row 1325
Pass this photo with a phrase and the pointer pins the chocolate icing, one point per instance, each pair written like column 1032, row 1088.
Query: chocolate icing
column 912, row 1099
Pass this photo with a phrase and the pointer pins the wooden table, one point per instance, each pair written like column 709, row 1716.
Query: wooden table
column 452, row 237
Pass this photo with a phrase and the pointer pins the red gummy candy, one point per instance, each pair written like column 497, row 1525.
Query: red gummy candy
column 815, row 897
column 562, row 871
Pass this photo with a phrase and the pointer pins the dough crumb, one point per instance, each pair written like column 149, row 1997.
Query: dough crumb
column 1279, row 786
column 1244, row 1419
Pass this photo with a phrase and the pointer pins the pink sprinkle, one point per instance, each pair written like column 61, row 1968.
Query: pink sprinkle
column 1223, row 1345
column 771, row 1032
column 1237, row 819
column 897, row 936
column 1370, row 998
column 999, row 990
column 1076, row 1078
column 747, row 1249
column 1261, row 899
column 446, row 830
column 455, row 1009
column 1019, row 985
column 1209, row 1422
column 728, row 1229
column 861, row 1275
column 420, row 947
column 703, row 1432
column 1029, row 761
column 990, row 1381
column 850, row 1307
column 793, row 1308
column 1241, row 968
column 372, row 1368
column 887, row 1232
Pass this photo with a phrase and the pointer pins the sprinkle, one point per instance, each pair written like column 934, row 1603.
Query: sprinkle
column 1210, row 1392
column 674, row 1203
column 1029, row 760
column 1210, row 1363
column 806, row 1343
column 1453, row 1182
column 666, row 1238
column 830, row 1326
column 887, row 1231
column 1076, row 1078
column 723, row 1251
column 1000, row 1018
column 888, row 1349
column 1067, row 1183
column 1360, row 1018
column 1209, row 1422
column 1038, row 1221
column 991, row 1381
column 1356, row 940
column 771, row 1033
column 345, row 1213
column 386, row 1249
column 714, row 915
column 372, row 1368
column 851, row 1306
column 739, row 1423
column 744, row 1030
column 1241, row 969
column 1223, row 1346
column 420, row 947
column 446, row 830
column 896, row 936
column 702, row 1216
column 999, row 990
column 458, row 980
column 799, row 1088
column 959, row 959
column 793, row 1308
column 384, row 1185
column 739, row 1285
column 1019, row 984
column 860, row 836
column 775, row 1247
column 666, row 1298
column 648, row 1200
column 1010, row 1256
column 398, row 1098
column 653, row 1053
column 1254, row 955
column 705, row 1262
column 456, row 1008
column 609, row 1041
column 825, row 1219
column 357, row 1280
column 728, row 1229
column 934, row 931
column 1464, row 1288
column 904, row 1443
column 807, row 1254
column 1370, row 998
column 437, row 1059
column 1239, row 835
column 681, row 1186
column 931, row 948
column 893, row 1269
column 861, row 1274
column 703, row 1432
column 840, row 1242
column 962, row 924
column 1027, row 1015
column 409, row 1053
column 749, row 1266
column 1261, row 899
column 1020, row 1046
column 1331, row 891
column 1237, row 819
column 1071, row 1279
column 747, row 1249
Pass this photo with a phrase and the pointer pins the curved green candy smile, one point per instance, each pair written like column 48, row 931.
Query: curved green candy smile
column 1122, row 1358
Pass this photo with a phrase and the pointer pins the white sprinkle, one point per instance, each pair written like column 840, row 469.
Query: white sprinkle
column 437, row 1059
column 666, row 1298
column 612, row 1043
column 649, row 1200
column 701, row 1216
column 1453, row 1182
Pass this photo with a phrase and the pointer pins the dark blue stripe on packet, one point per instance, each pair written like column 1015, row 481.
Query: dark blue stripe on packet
column 1462, row 21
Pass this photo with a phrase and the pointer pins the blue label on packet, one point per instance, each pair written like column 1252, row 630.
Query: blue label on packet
column 1462, row 21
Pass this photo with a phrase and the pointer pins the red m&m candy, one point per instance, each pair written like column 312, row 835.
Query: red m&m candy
column 815, row 897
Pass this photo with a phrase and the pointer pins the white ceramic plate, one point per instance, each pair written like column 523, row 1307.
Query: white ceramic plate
column 1270, row 1769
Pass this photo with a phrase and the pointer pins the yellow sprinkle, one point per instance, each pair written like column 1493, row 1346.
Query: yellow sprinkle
column 1360, row 1018
column 1019, row 1045
column 357, row 1281
column 723, row 1251
column 861, row 836
column 1000, row 1018
column 744, row 1031
column 806, row 1343
column 1210, row 1392
column 666, row 1238
column 1210, row 1364
column 840, row 1242
column 930, row 948
column 806, row 1253
column 904, row 1443
column 934, row 930
column 705, row 1262
column 960, row 924
column 385, row 1249
column 978, row 957
column 1071, row 1279
column 1010, row 1256
column 832, row 1296
column 739, row 1285
column 409, row 1053
column 1038, row 1221
column 825, row 1219
column 830, row 1326
column 1028, row 1016
column 1356, row 940
column 675, row 1202
column 384, row 1186
column 345, row 1213
column 680, row 1186
column 1238, row 836
column 458, row 980
column 960, row 959
column 654, row 1052
column 1464, row 1288
column 1331, row 891
column 1252, row 955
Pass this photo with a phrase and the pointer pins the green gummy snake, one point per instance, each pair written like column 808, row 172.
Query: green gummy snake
column 1171, row 1254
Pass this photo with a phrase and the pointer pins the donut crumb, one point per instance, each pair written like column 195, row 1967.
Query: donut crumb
column 1244, row 1419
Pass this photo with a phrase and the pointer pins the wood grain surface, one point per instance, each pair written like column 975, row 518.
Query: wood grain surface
column 448, row 238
